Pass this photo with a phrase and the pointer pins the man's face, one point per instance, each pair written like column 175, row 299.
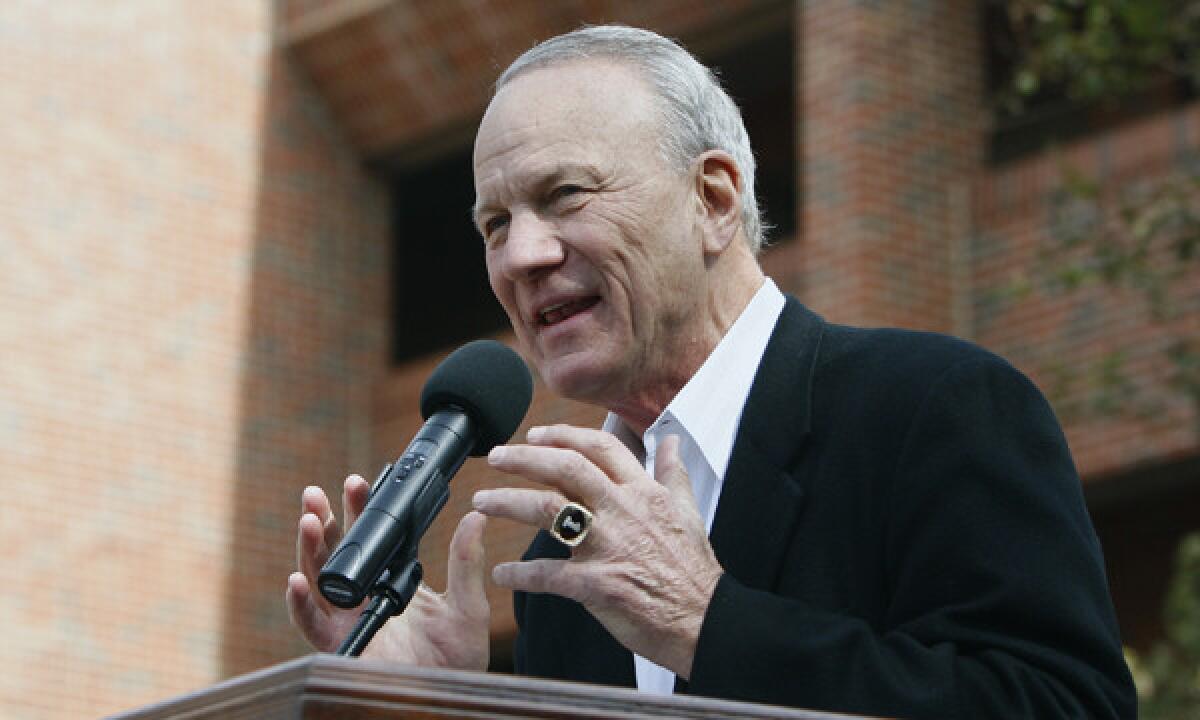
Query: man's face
column 591, row 239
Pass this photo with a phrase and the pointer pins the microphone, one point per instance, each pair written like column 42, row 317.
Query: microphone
column 472, row 402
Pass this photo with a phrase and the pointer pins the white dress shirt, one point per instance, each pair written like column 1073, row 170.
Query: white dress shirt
column 705, row 415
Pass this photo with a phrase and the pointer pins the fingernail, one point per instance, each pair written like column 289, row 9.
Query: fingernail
column 497, row 454
column 535, row 434
column 500, row 574
column 479, row 499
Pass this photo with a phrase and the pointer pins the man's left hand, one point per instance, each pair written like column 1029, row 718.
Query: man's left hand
column 645, row 569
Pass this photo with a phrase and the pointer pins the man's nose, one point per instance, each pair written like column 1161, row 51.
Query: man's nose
column 532, row 245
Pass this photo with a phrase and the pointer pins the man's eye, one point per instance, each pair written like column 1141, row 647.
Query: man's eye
column 493, row 224
column 563, row 191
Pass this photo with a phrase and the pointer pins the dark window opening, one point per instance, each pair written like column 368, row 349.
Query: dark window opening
column 440, row 294
column 1141, row 515
column 760, row 76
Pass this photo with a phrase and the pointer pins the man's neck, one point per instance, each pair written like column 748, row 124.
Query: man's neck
column 640, row 408
column 640, row 412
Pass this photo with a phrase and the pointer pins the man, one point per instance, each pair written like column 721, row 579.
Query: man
column 777, row 509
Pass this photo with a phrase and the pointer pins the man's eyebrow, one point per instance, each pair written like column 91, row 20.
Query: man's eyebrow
column 477, row 210
column 588, row 170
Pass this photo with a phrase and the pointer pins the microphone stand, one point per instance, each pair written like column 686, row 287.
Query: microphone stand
column 389, row 597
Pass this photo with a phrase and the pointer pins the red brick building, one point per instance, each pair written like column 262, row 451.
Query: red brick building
column 228, row 229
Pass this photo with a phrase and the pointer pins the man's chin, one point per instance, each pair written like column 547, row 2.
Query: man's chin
column 583, row 382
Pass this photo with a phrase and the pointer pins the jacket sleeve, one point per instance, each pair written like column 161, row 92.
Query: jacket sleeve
column 997, row 601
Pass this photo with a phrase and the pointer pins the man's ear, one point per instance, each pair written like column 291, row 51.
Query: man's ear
column 719, row 191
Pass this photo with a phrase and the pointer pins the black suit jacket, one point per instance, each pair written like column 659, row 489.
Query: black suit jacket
column 902, row 532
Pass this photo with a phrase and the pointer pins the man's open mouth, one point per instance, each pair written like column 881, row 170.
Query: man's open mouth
column 558, row 312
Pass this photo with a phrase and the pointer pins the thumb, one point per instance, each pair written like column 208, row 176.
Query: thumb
column 670, row 472
column 465, row 587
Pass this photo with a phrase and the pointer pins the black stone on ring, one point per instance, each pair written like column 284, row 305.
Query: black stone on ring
column 571, row 525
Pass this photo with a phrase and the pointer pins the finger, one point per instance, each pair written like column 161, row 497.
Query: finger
column 557, row 577
column 314, row 501
column 355, row 493
column 537, row 508
column 670, row 471
column 563, row 469
column 603, row 449
column 306, row 614
column 465, row 588
column 311, row 549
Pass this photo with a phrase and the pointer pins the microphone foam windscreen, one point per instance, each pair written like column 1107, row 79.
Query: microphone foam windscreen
column 487, row 380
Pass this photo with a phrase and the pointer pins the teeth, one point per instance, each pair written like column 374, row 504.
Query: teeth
column 545, row 313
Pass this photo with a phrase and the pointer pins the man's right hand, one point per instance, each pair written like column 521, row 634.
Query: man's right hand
column 447, row 630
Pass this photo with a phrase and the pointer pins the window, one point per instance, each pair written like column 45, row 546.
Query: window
column 759, row 74
column 440, row 294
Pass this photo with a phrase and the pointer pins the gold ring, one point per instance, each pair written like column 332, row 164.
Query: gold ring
column 571, row 524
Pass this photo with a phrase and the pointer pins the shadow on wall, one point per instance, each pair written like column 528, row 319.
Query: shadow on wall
column 315, row 345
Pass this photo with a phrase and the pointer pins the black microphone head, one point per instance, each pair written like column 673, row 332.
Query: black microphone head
column 489, row 382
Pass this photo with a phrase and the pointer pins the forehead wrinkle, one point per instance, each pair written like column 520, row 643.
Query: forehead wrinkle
column 519, row 133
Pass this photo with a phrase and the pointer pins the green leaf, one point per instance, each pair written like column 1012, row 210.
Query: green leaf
column 1027, row 82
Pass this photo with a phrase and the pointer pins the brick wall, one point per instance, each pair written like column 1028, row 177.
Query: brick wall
column 187, row 248
column 193, row 284
column 889, row 110
column 314, row 349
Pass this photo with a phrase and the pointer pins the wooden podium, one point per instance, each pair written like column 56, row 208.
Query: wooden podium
column 328, row 687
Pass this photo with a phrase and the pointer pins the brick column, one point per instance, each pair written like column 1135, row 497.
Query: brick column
column 889, row 107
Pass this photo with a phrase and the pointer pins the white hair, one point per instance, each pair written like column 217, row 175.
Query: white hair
column 698, row 115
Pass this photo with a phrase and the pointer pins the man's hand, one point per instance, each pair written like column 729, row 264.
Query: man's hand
column 645, row 570
column 447, row 630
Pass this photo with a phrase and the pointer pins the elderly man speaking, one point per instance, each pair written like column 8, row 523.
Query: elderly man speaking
column 777, row 509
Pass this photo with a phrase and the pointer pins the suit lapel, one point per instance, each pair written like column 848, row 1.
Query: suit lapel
column 760, row 499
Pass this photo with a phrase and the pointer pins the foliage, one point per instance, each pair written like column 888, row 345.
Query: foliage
column 1096, row 49
column 1149, row 245
column 1168, row 678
